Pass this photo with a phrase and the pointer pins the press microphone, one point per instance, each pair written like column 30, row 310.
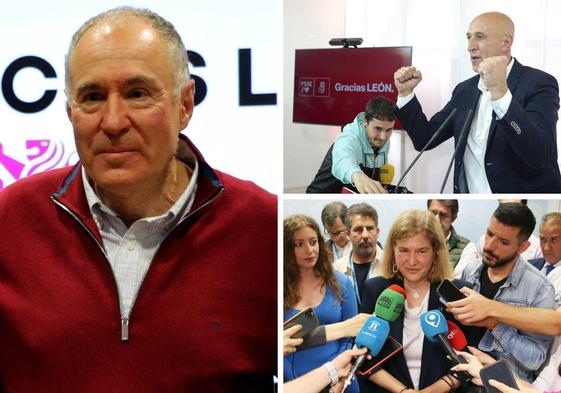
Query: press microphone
column 387, row 172
column 388, row 307
column 398, row 289
column 437, row 132
column 458, row 341
column 372, row 335
column 456, row 337
column 463, row 134
column 435, row 329
column 390, row 348
column 390, row 303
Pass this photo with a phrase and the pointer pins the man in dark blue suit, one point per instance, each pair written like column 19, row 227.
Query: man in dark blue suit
column 550, row 243
column 510, row 144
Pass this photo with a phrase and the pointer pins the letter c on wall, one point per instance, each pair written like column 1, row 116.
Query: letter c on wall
column 8, row 84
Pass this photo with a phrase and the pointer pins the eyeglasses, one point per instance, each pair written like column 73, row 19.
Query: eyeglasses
column 335, row 235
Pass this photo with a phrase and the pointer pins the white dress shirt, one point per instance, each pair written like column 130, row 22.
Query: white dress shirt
column 474, row 156
column 341, row 252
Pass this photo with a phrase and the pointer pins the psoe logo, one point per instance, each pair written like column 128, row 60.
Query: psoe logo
column 323, row 86
column 306, row 87
column 41, row 155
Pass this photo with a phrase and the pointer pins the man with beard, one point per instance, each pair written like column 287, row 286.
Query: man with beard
column 365, row 259
column 505, row 276
column 474, row 250
column 359, row 151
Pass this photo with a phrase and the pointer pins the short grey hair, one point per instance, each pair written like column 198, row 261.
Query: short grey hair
column 332, row 211
column 552, row 218
column 360, row 209
column 177, row 51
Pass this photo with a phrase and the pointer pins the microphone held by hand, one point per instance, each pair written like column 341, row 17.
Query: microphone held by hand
column 389, row 304
column 373, row 335
column 457, row 338
column 376, row 329
column 435, row 329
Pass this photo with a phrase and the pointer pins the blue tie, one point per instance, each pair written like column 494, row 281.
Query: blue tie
column 548, row 268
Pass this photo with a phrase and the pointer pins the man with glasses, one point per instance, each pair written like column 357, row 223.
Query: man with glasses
column 333, row 218
column 365, row 259
column 446, row 212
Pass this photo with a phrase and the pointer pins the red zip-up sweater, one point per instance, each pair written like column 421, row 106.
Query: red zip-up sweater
column 205, row 316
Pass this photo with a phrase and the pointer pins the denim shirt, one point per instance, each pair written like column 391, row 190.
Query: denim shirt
column 524, row 287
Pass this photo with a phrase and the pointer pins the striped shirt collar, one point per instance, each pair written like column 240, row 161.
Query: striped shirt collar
column 102, row 213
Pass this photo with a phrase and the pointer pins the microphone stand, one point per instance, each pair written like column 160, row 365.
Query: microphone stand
column 438, row 131
column 463, row 133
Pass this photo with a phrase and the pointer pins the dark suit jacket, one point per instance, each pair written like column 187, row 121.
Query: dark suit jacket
column 433, row 362
column 537, row 263
column 521, row 155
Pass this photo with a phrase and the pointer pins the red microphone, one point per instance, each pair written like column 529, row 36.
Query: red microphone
column 398, row 289
column 458, row 341
column 456, row 337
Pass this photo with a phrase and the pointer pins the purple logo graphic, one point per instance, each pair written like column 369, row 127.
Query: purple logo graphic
column 42, row 155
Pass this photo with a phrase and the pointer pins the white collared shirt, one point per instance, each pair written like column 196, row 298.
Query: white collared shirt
column 131, row 250
column 474, row 156
column 341, row 252
column 546, row 264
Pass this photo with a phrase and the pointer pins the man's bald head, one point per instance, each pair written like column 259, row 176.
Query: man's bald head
column 121, row 16
column 490, row 34
column 500, row 23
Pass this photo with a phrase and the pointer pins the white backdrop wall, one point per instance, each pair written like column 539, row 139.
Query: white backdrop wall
column 241, row 140
column 473, row 216
column 436, row 30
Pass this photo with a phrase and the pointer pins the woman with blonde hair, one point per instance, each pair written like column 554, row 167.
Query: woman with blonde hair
column 416, row 258
column 310, row 281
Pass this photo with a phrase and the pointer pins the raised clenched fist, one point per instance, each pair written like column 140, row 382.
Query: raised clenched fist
column 406, row 79
column 493, row 72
